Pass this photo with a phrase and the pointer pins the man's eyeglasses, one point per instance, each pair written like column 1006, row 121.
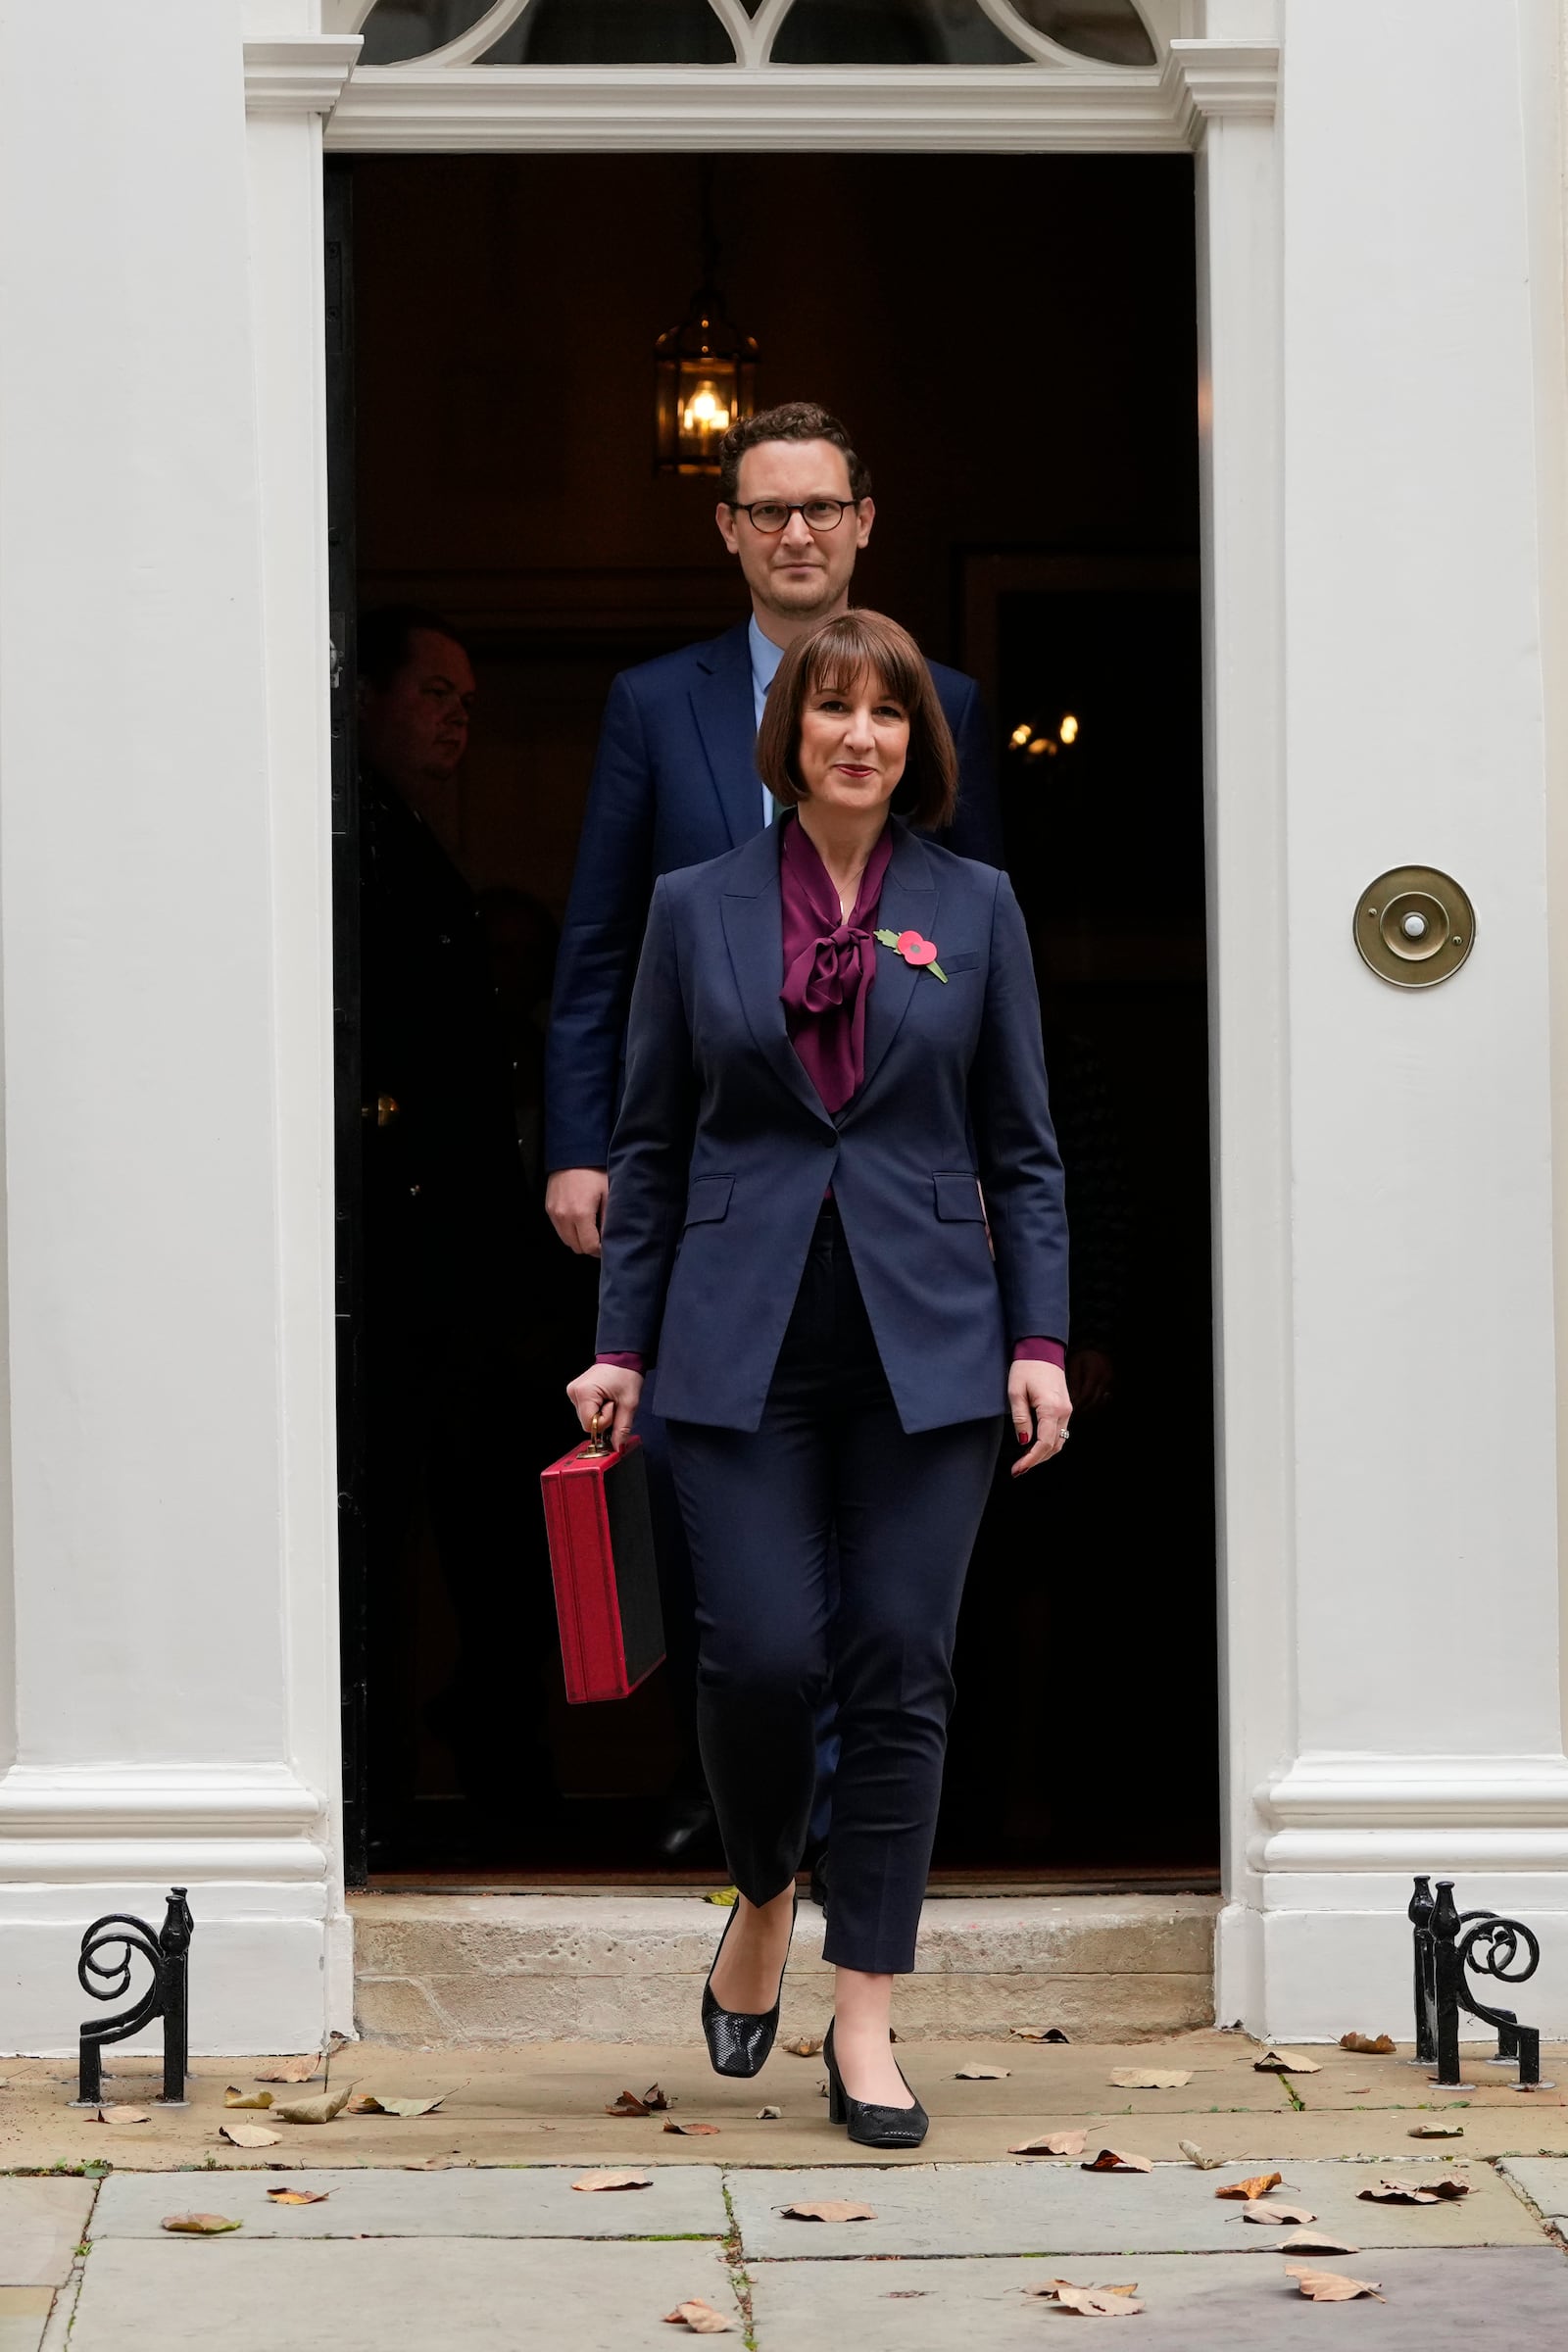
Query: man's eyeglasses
column 770, row 516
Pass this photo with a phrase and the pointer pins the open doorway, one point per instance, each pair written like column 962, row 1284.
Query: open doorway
column 1012, row 343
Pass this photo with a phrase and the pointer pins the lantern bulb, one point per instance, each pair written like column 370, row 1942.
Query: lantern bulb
column 706, row 412
column 1069, row 729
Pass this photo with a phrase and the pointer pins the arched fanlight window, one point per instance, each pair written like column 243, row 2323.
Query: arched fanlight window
column 892, row 33
column 616, row 32
column 1112, row 31
column 399, row 30
column 556, row 33
column 750, row 33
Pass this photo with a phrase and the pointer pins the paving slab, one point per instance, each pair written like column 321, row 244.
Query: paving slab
column 1053, row 2207
column 450, row 2295
column 508, row 2201
column 42, row 2225
column 1515, row 2297
column 24, row 2317
column 1544, row 2182
column 540, row 2103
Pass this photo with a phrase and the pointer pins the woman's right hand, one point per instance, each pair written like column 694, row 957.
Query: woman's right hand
column 607, row 1389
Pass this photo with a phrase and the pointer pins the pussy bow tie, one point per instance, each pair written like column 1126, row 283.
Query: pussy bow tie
column 825, row 972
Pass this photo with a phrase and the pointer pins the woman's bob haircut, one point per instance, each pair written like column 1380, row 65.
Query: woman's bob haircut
column 830, row 660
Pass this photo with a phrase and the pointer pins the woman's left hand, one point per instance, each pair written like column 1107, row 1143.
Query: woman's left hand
column 1041, row 1409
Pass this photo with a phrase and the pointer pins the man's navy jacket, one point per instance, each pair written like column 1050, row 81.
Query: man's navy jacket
column 722, row 1150
column 675, row 783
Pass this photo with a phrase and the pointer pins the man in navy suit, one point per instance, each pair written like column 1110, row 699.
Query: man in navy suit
column 675, row 781
column 675, row 784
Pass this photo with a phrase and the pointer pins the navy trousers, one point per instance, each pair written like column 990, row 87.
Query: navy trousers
column 829, row 1551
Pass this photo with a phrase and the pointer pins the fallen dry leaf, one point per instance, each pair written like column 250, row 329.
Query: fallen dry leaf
column 828, row 2209
column 652, row 2101
column 320, row 2110
column 1257, row 2186
column 370, row 2102
column 1117, row 2160
column 1285, row 2062
column 234, row 2098
column 1151, row 2078
column 768, row 2115
column 249, row 2136
column 1375, row 2045
column 1053, row 2143
column 1311, row 2242
column 727, row 1895
column 1415, row 2193
column 1094, row 2302
column 597, row 2180
column 1437, row 2131
column 292, row 2070
column 1329, row 2287
column 1194, row 2155
column 808, row 2047
column 700, row 2316
column 693, row 2130
column 123, row 2115
column 1263, row 2211
column 1036, row 2034
column 299, row 2197
column 982, row 2073
column 198, row 2224
column 449, row 2164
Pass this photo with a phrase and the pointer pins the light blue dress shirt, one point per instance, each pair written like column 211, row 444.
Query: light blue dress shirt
column 765, row 658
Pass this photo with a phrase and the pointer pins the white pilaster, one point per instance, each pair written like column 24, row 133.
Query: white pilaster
column 1418, row 1724
column 1239, row 426
column 166, row 1181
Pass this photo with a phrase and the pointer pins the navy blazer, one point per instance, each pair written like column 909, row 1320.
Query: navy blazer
column 676, row 782
column 723, row 1150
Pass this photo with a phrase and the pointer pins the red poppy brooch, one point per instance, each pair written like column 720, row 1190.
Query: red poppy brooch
column 921, row 953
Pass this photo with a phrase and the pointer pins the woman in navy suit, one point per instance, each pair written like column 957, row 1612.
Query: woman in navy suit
column 836, row 1228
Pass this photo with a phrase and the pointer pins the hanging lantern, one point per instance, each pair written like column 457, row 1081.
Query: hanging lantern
column 705, row 380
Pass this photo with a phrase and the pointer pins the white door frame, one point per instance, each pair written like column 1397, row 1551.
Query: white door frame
column 1214, row 97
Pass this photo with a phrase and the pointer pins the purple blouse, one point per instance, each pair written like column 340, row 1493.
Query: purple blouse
column 829, row 965
column 829, row 970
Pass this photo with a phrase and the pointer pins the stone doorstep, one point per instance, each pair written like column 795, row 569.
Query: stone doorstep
column 435, row 1969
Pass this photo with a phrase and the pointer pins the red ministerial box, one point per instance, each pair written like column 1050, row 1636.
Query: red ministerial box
column 605, row 1576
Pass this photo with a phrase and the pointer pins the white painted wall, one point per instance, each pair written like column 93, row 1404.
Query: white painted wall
column 168, row 1430
column 1421, row 518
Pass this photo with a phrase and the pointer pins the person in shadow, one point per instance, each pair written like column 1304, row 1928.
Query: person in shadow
column 447, row 1229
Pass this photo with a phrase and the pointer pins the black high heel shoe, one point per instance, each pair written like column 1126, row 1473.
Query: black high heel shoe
column 739, row 2039
column 871, row 2126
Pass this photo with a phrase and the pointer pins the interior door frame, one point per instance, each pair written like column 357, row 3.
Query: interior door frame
column 337, row 210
